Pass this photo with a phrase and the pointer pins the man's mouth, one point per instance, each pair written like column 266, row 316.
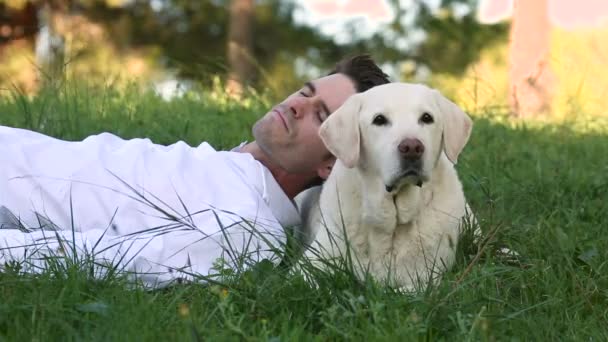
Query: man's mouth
column 281, row 117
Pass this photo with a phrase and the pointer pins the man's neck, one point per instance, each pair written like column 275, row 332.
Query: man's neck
column 291, row 183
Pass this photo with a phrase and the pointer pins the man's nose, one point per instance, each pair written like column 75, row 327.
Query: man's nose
column 299, row 107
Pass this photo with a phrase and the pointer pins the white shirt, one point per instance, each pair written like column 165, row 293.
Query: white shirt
column 161, row 212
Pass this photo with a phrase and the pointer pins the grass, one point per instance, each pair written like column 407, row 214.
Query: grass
column 540, row 187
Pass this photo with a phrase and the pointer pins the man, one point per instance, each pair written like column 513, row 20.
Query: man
column 168, row 212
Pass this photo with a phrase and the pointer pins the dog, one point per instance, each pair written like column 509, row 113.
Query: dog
column 393, row 200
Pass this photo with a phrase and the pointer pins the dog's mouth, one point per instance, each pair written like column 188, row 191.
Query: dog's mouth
column 410, row 175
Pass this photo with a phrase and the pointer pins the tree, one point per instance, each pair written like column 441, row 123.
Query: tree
column 240, row 45
column 191, row 38
column 53, row 16
column 530, row 75
column 451, row 42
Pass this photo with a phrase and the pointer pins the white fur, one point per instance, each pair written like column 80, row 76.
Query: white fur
column 410, row 233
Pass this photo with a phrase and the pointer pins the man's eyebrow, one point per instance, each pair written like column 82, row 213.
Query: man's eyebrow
column 313, row 89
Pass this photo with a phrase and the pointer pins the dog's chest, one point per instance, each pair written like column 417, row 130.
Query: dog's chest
column 409, row 202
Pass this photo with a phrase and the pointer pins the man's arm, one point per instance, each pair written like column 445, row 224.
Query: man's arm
column 160, row 210
column 156, row 257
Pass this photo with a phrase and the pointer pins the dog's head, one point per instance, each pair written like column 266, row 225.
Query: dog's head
column 398, row 131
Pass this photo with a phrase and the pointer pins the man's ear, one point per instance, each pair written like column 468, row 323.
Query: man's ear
column 340, row 132
column 324, row 170
column 457, row 126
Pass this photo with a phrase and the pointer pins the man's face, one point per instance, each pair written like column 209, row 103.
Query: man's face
column 288, row 134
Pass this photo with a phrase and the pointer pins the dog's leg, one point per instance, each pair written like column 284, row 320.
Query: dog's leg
column 379, row 221
column 379, row 211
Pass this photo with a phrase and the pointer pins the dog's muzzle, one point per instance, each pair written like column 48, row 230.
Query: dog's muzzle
column 402, row 178
column 410, row 152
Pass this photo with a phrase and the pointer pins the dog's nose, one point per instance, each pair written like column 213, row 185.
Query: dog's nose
column 411, row 148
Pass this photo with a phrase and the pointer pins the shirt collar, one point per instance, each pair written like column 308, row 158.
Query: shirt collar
column 238, row 148
column 282, row 207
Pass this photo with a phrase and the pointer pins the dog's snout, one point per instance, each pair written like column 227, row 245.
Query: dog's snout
column 411, row 148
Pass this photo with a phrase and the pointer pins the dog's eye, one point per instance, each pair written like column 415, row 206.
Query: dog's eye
column 427, row 118
column 380, row 120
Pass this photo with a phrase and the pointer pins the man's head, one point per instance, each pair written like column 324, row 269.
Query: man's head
column 288, row 134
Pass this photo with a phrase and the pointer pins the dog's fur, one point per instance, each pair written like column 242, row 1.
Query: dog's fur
column 400, row 219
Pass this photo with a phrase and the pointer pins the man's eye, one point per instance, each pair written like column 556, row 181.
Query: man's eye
column 304, row 94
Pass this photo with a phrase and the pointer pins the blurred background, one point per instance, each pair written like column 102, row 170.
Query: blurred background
column 516, row 57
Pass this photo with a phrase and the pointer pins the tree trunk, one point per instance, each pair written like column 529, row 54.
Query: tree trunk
column 50, row 49
column 531, row 79
column 240, row 45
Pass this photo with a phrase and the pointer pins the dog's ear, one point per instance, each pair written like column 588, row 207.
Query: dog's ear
column 457, row 126
column 340, row 132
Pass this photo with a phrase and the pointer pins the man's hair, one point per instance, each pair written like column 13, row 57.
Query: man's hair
column 362, row 70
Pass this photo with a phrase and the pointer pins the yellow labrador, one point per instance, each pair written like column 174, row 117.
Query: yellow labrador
column 393, row 195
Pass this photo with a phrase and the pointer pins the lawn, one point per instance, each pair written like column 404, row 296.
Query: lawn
column 537, row 188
